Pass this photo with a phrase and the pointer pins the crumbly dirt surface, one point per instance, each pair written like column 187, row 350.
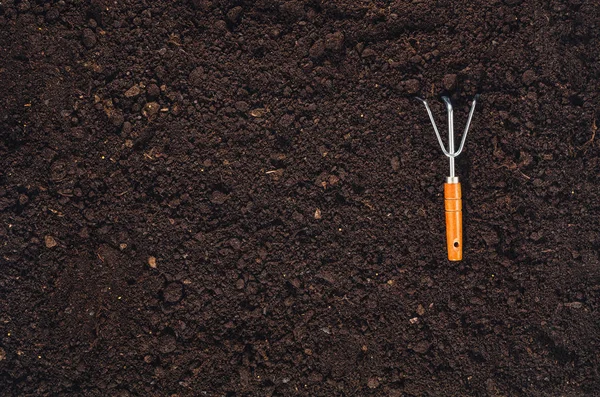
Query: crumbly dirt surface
column 243, row 198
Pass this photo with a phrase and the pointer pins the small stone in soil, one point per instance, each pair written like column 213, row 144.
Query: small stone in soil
column 450, row 82
column 528, row 77
column 317, row 214
column 220, row 26
column 536, row 236
column 235, row 243
column 574, row 305
column 133, row 91
column 416, row 59
column 127, row 127
column 173, row 292
column 373, row 383
column 334, row 41
column 50, row 242
column 153, row 91
column 421, row 347
column 52, row 14
column 235, row 14
column 286, row 120
column 152, row 262
column 196, row 77
column 242, row 106
column 412, row 86
column 259, row 112
column 239, row 284
column 218, row 198
column 168, row 343
column 88, row 37
column 150, row 109
column 117, row 119
column 395, row 163
column 317, row 50
column 368, row 52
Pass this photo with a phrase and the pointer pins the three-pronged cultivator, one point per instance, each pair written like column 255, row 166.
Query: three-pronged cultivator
column 452, row 191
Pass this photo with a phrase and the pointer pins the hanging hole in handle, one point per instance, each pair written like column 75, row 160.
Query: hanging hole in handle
column 456, row 244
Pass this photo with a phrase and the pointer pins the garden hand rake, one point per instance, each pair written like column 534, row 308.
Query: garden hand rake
column 452, row 191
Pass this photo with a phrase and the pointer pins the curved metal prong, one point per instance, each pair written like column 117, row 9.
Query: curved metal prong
column 448, row 103
column 437, row 133
column 464, row 137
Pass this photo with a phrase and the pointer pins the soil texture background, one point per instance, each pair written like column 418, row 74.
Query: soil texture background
column 243, row 198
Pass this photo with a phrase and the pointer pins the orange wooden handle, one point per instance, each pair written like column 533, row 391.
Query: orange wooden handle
column 454, row 231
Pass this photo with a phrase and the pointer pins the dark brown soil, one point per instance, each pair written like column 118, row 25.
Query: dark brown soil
column 242, row 198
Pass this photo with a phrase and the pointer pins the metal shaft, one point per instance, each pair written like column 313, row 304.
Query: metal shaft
column 450, row 135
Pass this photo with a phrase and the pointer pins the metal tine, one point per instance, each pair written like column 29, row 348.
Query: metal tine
column 437, row 133
column 450, row 126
